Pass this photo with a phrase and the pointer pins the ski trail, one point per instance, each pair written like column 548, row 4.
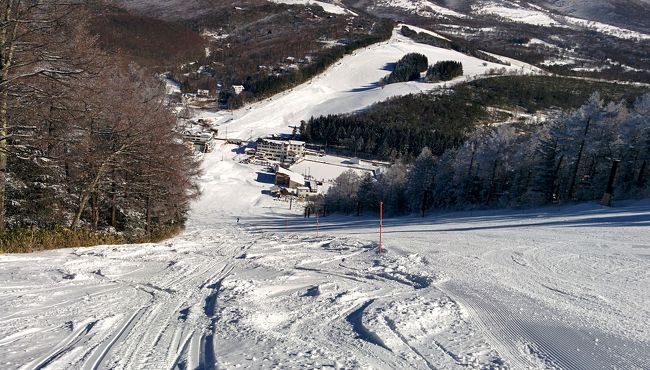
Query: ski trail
column 393, row 328
column 96, row 359
column 208, row 359
column 355, row 318
column 73, row 340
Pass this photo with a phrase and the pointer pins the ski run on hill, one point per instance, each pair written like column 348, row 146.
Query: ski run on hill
column 251, row 284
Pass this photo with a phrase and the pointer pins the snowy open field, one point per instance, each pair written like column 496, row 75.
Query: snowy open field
column 549, row 288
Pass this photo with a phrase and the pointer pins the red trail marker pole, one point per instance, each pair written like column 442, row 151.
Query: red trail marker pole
column 381, row 223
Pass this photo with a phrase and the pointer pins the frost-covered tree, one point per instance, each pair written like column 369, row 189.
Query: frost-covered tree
column 368, row 194
column 391, row 187
column 343, row 195
column 420, row 181
column 579, row 126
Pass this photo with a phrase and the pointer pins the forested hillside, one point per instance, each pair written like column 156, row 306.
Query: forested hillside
column 575, row 156
column 208, row 45
column 403, row 126
column 85, row 144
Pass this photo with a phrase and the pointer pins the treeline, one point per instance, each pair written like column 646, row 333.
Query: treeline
column 444, row 71
column 570, row 158
column 458, row 45
column 83, row 144
column 401, row 127
column 408, row 68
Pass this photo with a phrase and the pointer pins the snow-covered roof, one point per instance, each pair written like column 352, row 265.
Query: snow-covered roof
column 284, row 142
column 295, row 177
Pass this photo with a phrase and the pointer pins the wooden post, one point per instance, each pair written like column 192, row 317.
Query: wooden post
column 381, row 223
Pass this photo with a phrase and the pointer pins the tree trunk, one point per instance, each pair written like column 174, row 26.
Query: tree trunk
column 494, row 173
column 85, row 194
column 113, row 205
column 95, row 212
column 148, row 215
column 640, row 181
column 577, row 165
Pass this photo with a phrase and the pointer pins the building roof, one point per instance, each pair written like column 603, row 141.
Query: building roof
column 295, row 177
column 282, row 142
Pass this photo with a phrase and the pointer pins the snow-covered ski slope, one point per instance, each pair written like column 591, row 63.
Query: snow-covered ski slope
column 351, row 84
column 552, row 288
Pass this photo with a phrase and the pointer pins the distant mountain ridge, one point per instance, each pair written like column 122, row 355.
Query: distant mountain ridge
column 632, row 14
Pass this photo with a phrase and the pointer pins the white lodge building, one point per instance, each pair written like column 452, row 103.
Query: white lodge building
column 283, row 151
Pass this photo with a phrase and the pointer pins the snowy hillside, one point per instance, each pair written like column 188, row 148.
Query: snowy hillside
column 516, row 11
column 329, row 8
column 351, row 84
column 548, row 288
column 529, row 14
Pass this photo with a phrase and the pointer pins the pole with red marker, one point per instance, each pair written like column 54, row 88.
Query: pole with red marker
column 381, row 223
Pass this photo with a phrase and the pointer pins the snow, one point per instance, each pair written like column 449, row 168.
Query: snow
column 534, row 42
column 171, row 86
column 559, row 62
column 514, row 63
column 607, row 29
column 561, row 287
column 423, row 30
column 328, row 168
column 421, row 7
column 517, row 14
column 556, row 287
column 349, row 85
column 327, row 7
column 535, row 15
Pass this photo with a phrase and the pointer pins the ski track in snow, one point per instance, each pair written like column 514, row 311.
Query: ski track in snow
column 457, row 291
column 558, row 287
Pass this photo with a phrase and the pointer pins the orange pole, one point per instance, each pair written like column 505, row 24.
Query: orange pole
column 381, row 222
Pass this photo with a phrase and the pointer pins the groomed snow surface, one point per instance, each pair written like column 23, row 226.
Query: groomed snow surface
column 560, row 287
